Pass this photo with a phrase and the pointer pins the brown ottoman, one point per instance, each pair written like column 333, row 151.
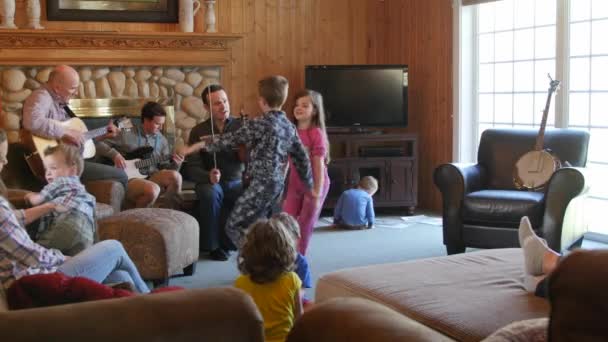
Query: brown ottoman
column 161, row 242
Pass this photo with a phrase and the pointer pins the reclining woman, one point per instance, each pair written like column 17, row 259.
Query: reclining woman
column 104, row 262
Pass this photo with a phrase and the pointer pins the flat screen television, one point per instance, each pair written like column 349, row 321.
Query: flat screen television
column 361, row 95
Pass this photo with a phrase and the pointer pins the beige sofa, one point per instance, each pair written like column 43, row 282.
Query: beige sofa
column 463, row 297
column 216, row 314
column 577, row 297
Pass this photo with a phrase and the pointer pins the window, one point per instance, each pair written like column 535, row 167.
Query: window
column 515, row 54
column 515, row 44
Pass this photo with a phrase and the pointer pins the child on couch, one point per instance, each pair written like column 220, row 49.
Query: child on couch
column 69, row 228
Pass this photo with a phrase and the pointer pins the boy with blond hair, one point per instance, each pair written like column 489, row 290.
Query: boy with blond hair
column 270, row 139
column 70, row 227
column 355, row 207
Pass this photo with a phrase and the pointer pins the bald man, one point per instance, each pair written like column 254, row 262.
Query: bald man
column 46, row 105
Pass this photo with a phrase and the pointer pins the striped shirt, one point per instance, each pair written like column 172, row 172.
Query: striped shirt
column 19, row 255
column 71, row 194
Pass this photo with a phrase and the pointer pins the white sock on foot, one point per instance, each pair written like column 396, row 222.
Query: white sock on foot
column 534, row 248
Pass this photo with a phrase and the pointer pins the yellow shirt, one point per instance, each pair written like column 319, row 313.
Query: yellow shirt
column 276, row 302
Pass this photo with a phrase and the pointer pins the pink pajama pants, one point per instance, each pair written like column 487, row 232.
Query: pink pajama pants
column 299, row 204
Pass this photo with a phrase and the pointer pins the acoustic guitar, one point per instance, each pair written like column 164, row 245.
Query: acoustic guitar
column 36, row 144
column 534, row 169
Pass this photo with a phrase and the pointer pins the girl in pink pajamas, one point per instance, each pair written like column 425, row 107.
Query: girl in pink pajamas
column 303, row 204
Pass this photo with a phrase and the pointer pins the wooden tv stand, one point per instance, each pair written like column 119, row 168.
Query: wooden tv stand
column 390, row 158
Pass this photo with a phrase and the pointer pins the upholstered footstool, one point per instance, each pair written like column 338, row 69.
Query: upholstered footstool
column 161, row 242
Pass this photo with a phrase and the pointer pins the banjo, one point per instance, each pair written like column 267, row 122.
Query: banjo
column 534, row 169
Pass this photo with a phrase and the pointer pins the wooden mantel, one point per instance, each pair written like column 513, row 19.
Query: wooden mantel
column 46, row 47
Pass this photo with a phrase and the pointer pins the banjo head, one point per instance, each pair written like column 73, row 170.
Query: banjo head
column 534, row 169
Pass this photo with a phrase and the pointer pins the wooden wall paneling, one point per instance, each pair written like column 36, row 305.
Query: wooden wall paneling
column 418, row 33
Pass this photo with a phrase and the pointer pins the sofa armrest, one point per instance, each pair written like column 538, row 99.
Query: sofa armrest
column 577, row 291
column 357, row 319
column 17, row 198
column 219, row 314
column 108, row 192
column 565, row 184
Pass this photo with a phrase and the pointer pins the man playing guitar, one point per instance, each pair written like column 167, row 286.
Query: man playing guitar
column 47, row 106
column 162, row 175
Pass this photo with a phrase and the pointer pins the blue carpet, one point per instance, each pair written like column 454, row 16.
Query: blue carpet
column 393, row 239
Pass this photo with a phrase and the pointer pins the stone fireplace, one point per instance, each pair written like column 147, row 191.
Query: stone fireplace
column 171, row 67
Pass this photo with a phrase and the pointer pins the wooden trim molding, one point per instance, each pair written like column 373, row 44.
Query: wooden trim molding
column 41, row 39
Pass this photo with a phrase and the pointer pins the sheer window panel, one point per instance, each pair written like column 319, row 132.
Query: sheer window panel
column 544, row 42
column 599, row 32
column 545, row 12
column 484, row 126
column 503, row 46
column 542, row 68
column 504, row 77
column 579, row 73
column 581, row 46
column 523, row 79
column 503, row 108
column 486, row 78
column 486, row 107
column 523, row 109
column 578, row 111
column 600, row 9
column 485, row 18
column 599, row 110
column 597, row 145
column 486, row 48
column 524, row 44
column 525, row 13
column 523, row 127
column 595, row 210
column 599, row 73
column 582, row 10
column 504, row 15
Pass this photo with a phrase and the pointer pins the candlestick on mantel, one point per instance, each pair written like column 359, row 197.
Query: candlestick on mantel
column 33, row 14
column 210, row 16
column 7, row 14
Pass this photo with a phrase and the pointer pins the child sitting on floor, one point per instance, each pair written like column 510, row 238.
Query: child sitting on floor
column 69, row 228
column 355, row 207
column 266, row 261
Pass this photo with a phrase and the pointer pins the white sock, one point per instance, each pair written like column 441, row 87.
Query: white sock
column 534, row 248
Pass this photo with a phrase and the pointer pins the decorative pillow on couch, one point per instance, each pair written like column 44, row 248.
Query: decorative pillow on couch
column 529, row 330
column 56, row 288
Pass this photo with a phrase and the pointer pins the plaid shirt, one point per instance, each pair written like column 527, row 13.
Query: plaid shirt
column 19, row 255
column 70, row 193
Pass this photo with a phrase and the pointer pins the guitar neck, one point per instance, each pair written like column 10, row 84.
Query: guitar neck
column 152, row 161
column 97, row 132
column 540, row 139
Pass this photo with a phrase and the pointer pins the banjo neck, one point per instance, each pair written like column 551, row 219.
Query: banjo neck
column 540, row 139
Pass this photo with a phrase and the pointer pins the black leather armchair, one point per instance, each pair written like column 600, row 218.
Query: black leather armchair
column 481, row 206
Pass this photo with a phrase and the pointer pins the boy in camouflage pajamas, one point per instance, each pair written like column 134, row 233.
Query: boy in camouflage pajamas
column 270, row 139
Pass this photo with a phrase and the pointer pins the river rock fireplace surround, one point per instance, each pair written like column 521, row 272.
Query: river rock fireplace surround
column 173, row 67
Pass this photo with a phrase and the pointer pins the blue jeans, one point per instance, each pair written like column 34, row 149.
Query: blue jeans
column 215, row 204
column 105, row 261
